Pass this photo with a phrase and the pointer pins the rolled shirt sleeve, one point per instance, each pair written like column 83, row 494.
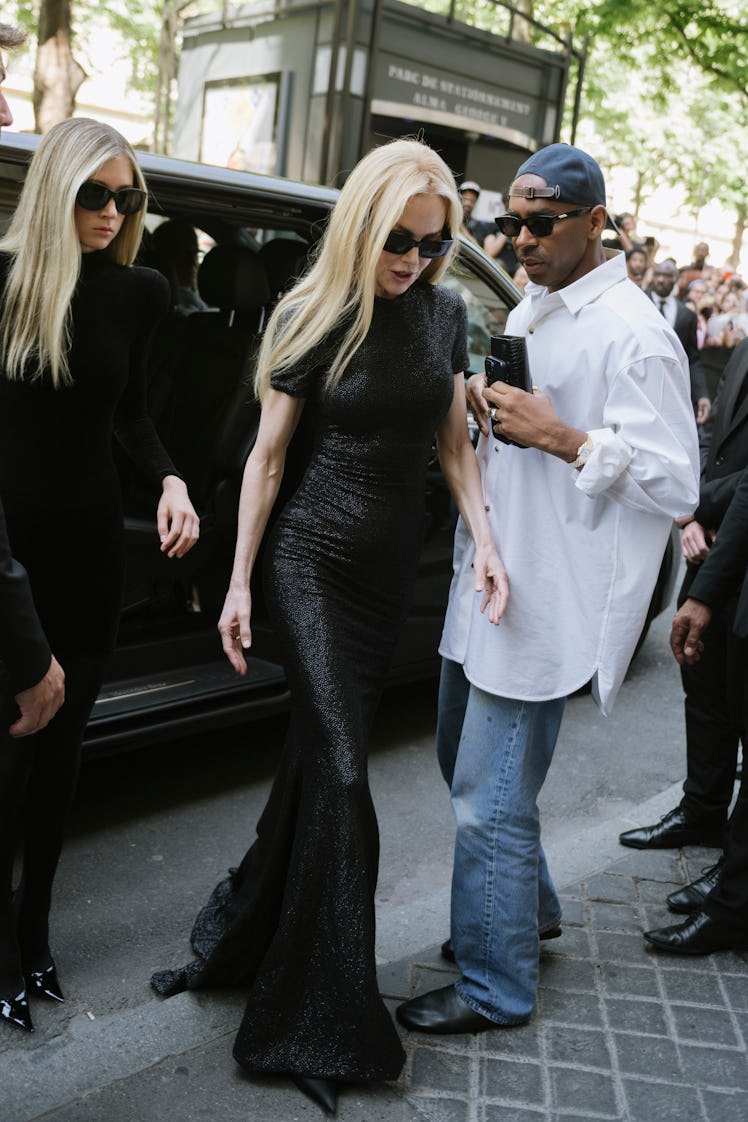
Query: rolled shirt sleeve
column 646, row 456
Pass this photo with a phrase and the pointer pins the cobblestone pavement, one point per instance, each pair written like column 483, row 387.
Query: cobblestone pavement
column 621, row 1031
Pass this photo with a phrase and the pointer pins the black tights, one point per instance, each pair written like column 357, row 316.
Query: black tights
column 38, row 776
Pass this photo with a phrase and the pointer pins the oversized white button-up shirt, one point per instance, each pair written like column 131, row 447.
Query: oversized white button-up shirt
column 582, row 548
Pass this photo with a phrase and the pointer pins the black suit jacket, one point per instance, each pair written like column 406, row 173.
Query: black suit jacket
column 24, row 652
column 722, row 572
column 724, row 444
column 685, row 328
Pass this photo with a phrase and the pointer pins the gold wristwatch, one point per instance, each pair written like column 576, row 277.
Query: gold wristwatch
column 584, row 451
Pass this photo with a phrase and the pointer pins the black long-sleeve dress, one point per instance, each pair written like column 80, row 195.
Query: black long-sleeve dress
column 295, row 921
column 58, row 479
column 62, row 501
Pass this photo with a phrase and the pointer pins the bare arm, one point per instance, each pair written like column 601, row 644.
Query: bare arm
column 262, row 478
column 461, row 471
column 493, row 244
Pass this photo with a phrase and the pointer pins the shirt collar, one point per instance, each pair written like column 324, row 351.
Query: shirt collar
column 589, row 287
column 669, row 299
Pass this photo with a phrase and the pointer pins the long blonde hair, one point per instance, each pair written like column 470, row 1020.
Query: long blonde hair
column 35, row 321
column 340, row 286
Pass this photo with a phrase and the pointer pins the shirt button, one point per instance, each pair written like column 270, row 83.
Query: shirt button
column 531, row 331
column 488, row 508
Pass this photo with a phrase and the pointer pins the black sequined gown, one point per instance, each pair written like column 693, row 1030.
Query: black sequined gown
column 295, row 921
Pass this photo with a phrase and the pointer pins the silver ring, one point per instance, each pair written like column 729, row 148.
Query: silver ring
column 492, row 413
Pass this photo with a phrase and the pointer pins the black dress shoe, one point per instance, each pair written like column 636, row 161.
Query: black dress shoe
column 442, row 1011
column 699, row 934
column 449, row 954
column 689, row 899
column 15, row 1011
column 672, row 831
column 323, row 1092
column 44, row 983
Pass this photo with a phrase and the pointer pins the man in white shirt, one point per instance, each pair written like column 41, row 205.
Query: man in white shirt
column 581, row 514
column 683, row 322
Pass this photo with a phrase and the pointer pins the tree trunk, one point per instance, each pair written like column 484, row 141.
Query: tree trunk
column 737, row 239
column 521, row 30
column 57, row 76
column 167, row 69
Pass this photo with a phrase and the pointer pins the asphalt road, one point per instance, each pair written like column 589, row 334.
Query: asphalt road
column 154, row 830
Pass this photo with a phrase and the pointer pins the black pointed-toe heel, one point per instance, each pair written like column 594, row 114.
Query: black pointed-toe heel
column 44, row 983
column 15, row 1011
column 323, row 1092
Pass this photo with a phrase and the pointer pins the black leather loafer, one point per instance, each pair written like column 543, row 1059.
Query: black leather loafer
column 442, row 1011
column 689, row 899
column 699, row 934
column 672, row 831
column 448, row 953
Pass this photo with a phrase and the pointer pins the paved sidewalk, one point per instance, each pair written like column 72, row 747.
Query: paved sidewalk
column 621, row 1032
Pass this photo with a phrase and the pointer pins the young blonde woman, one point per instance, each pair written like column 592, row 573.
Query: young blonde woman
column 75, row 319
column 376, row 348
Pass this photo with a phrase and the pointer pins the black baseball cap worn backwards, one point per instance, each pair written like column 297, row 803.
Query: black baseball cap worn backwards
column 570, row 173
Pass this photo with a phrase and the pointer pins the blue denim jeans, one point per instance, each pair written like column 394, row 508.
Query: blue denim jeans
column 494, row 753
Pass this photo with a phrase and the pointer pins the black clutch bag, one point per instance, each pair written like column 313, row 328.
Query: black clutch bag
column 508, row 363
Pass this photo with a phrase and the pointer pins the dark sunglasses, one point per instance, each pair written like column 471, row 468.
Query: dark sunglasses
column 403, row 243
column 95, row 196
column 539, row 225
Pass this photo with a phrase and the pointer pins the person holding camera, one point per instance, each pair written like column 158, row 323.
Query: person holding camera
column 603, row 456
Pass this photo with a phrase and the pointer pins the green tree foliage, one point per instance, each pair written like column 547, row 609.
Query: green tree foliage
column 665, row 89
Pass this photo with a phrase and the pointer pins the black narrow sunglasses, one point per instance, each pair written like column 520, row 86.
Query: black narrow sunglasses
column 95, row 196
column 539, row 225
column 403, row 243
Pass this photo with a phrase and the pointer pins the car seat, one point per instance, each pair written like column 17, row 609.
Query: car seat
column 285, row 259
column 212, row 357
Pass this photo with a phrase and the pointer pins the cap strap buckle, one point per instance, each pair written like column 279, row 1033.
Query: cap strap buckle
column 535, row 192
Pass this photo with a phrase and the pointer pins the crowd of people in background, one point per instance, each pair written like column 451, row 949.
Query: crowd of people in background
column 716, row 297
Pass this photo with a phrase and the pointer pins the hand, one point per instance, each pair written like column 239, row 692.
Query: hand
column 234, row 628
column 39, row 703
column 529, row 419
column 685, row 636
column 178, row 524
column 695, row 542
column 491, row 579
column 703, row 409
column 493, row 244
column 477, row 403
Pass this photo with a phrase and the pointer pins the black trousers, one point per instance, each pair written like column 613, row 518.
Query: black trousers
column 728, row 902
column 713, row 707
column 38, row 777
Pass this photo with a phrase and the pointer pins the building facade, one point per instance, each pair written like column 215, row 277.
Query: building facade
column 303, row 89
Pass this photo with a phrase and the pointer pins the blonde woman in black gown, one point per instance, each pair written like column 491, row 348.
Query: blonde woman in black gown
column 372, row 344
column 75, row 319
